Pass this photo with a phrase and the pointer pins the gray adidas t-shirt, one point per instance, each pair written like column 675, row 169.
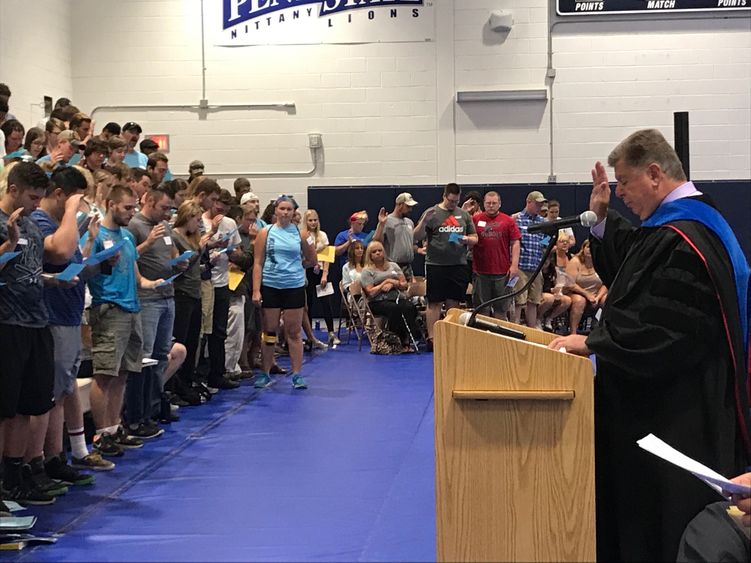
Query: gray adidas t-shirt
column 154, row 262
column 398, row 239
column 22, row 295
column 439, row 230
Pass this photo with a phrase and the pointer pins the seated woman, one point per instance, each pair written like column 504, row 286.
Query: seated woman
column 554, row 302
column 382, row 281
column 353, row 268
column 586, row 290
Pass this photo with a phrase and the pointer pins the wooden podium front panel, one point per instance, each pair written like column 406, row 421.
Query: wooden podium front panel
column 514, row 476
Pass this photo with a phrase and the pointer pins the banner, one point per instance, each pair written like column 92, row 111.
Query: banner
column 305, row 22
column 595, row 7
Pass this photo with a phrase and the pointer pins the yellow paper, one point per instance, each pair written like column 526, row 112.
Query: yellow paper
column 235, row 277
column 328, row 254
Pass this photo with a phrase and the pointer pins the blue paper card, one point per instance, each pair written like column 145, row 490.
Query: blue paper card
column 70, row 272
column 167, row 281
column 187, row 255
column 456, row 238
column 8, row 256
column 105, row 254
column 230, row 247
column 367, row 239
column 228, row 235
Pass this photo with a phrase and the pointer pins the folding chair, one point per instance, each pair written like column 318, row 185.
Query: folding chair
column 349, row 305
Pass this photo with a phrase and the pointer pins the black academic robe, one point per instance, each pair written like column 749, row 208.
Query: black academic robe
column 664, row 366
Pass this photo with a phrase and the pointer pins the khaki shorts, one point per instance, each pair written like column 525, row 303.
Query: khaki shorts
column 534, row 292
column 117, row 340
column 207, row 307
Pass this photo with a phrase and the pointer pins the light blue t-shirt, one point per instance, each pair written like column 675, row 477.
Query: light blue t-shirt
column 119, row 287
column 282, row 267
column 136, row 159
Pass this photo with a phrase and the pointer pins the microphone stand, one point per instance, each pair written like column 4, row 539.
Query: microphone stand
column 546, row 254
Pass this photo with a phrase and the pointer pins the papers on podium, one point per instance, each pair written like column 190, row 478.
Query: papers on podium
column 655, row 446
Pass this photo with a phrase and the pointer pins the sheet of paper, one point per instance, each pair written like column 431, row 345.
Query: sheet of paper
column 328, row 289
column 148, row 362
column 655, row 446
column 8, row 256
column 108, row 252
column 168, row 280
column 328, row 254
column 235, row 277
column 70, row 272
column 187, row 255
column 456, row 238
column 367, row 239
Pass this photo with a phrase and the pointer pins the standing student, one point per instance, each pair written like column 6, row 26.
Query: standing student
column 397, row 233
column 26, row 345
column 319, row 275
column 671, row 349
column 115, row 318
column 279, row 284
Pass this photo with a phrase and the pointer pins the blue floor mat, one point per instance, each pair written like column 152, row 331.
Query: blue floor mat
column 343, row 471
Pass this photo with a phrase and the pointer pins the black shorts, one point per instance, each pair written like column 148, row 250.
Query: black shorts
column 446, row 282
column 273, row 298
column 27, row 371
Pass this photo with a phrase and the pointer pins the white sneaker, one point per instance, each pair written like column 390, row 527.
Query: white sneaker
column 333, row 340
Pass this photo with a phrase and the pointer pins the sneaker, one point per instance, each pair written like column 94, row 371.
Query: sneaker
column 107, row 446
column 145, row 432
column 58, row 468
column 298, row 382
column 26, row 493
column 4, row 510
column 320, row 345
column 276, row 370
column 93, row 461
column 333, row 340
column 43, row 482
column 262, row 381
column 125, row 441
column 224, row 384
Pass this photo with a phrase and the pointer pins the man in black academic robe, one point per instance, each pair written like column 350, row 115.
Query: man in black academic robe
column 671, row 353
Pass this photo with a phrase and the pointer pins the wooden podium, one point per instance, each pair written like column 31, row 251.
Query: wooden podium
column 514, row 447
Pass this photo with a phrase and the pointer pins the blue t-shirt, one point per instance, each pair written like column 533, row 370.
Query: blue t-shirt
column 21, row 301
column 119, row 287
column 64, row 305
column 136, row 159
column 282, row 267
column 342, row 237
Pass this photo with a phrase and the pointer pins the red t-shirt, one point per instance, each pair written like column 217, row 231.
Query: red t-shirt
column 492, row 253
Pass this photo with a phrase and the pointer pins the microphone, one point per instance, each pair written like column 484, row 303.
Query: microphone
column 491, row 327
column 586, row 219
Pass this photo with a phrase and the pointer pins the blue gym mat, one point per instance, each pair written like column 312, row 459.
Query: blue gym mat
column 343, row 471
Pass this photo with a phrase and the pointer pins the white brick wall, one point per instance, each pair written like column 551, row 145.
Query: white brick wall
column 35, row 54
column 386, row 111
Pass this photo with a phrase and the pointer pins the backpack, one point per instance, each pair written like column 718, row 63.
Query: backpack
column 385, row 342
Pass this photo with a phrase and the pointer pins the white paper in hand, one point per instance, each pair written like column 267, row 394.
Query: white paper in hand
column 328, row 289
column 719, row 483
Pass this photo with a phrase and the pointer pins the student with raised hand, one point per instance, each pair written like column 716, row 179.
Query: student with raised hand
column 26, row 344
column 115, row 320
column 279, row 283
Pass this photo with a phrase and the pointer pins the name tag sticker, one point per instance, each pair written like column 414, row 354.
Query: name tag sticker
column 23, row 241
column 108, row 244
column 481, row 224
column 168, row 240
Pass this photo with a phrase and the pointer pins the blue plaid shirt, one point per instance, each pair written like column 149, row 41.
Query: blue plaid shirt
column 532, row 245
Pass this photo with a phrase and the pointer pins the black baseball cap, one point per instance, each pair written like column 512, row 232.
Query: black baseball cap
column 148, row 144
column 132, row 126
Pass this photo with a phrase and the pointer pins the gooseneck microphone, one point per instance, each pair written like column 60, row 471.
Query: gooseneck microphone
column 467, row 320
column 586, row 219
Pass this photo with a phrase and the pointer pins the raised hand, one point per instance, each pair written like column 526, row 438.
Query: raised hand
column 383, row 215
column 156, row 233
column 14, row 232
column 599, row 200
column 93, row 227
